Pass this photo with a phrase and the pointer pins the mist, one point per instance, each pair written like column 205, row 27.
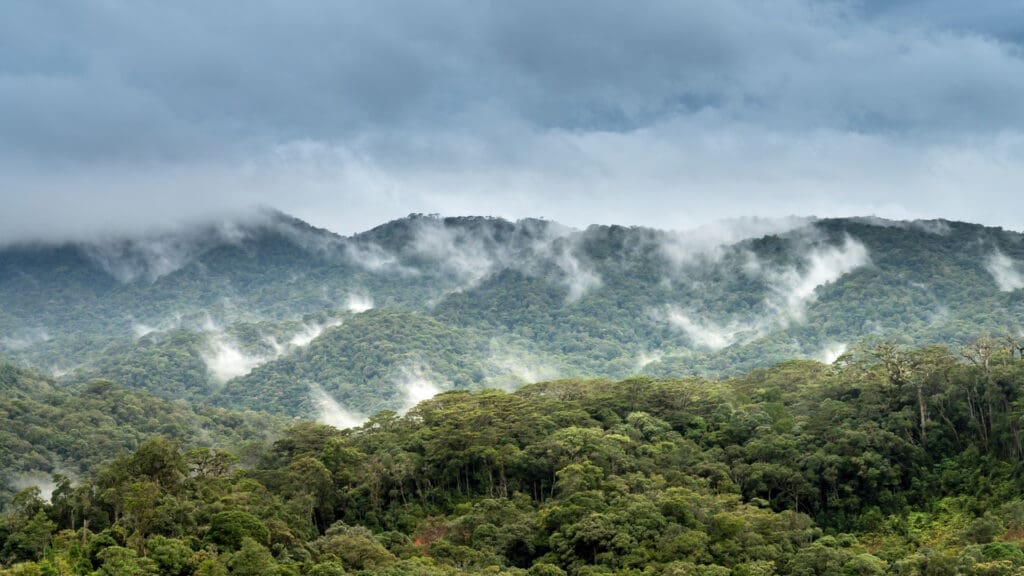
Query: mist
column 705, row 333
column 1007, row 272
column 713, row 240
column 576, row 277
column 24, row 339
column 358, row 303
column 375, row 258
column 331, row 412
column 310, row 332
column 645, row 359
column 148, row 253
column 516, row 367
column 831, row 352
column 414, row 386
column 795, row 287
column 790, row 290
column 39, row 479
column 226, row 360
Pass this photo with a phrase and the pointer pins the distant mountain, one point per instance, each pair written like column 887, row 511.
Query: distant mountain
column 270, row 313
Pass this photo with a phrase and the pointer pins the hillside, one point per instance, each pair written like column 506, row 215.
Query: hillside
column 799, row 469
column 45, row 430
column 269, row 312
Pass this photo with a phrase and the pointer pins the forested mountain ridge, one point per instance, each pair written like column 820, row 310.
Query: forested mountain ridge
column 239, row 312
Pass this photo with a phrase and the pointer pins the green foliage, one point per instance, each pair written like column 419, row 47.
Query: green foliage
column 43, row 428
column 797, row 469
column 230, row 528
column 252, row 559
column 480, row 302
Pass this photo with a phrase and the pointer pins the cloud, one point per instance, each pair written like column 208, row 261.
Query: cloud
column 1006, row 271
column 467, row 255
column 831, row 352
column 141, row 329
column 578, row 277
column 331, row 412
column 645, row 359
column 790, row 289
column 358, row 303
column 23, row 339
column 516, row 367
column 710, row 241
column 310, row 332
column 226, row 360
column 705, row 333
column 348, row 115
column 39, row 479
column 465, row 251
column 374, row 258
column 148, row 253
column 415, row 386
column 795, row 287
column 937, row 227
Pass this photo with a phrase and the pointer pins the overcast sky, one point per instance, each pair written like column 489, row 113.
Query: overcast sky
column 118, row 115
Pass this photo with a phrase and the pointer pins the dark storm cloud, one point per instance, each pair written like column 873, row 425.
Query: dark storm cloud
column 117, row 113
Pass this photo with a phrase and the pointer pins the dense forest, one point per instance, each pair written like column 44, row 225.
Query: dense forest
column 892, row 460
column 44, row 428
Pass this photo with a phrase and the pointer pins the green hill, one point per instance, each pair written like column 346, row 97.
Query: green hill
column 892, row 462
column 230, row 313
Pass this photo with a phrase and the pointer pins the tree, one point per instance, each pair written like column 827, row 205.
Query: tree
column 252, row 559
column 229, row 529
column 32, row 539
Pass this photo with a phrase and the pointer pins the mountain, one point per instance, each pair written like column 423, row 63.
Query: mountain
column 270, row 313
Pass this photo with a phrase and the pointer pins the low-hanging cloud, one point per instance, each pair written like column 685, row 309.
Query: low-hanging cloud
column 795, row 287
column 44, row 481
column 414, row 386
column 152, row 254
column 831, row 352
column 466, row 251
column 645, row 359
column 562, row 247
column 1007, row 272
column 331, row 412
column 226, row 359
column 706, row 333
column 936, row 226
column 374, row 258
column 712, row 240
column 515, row 367
column 468, row 255
column 790, row 290
column 23, row 339
column 310, row 332
column 358, row 302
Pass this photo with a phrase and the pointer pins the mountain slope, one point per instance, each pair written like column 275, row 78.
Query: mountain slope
column 45, row 430
column 268, row 312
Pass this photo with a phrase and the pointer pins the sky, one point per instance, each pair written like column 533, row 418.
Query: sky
column 128, row 115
